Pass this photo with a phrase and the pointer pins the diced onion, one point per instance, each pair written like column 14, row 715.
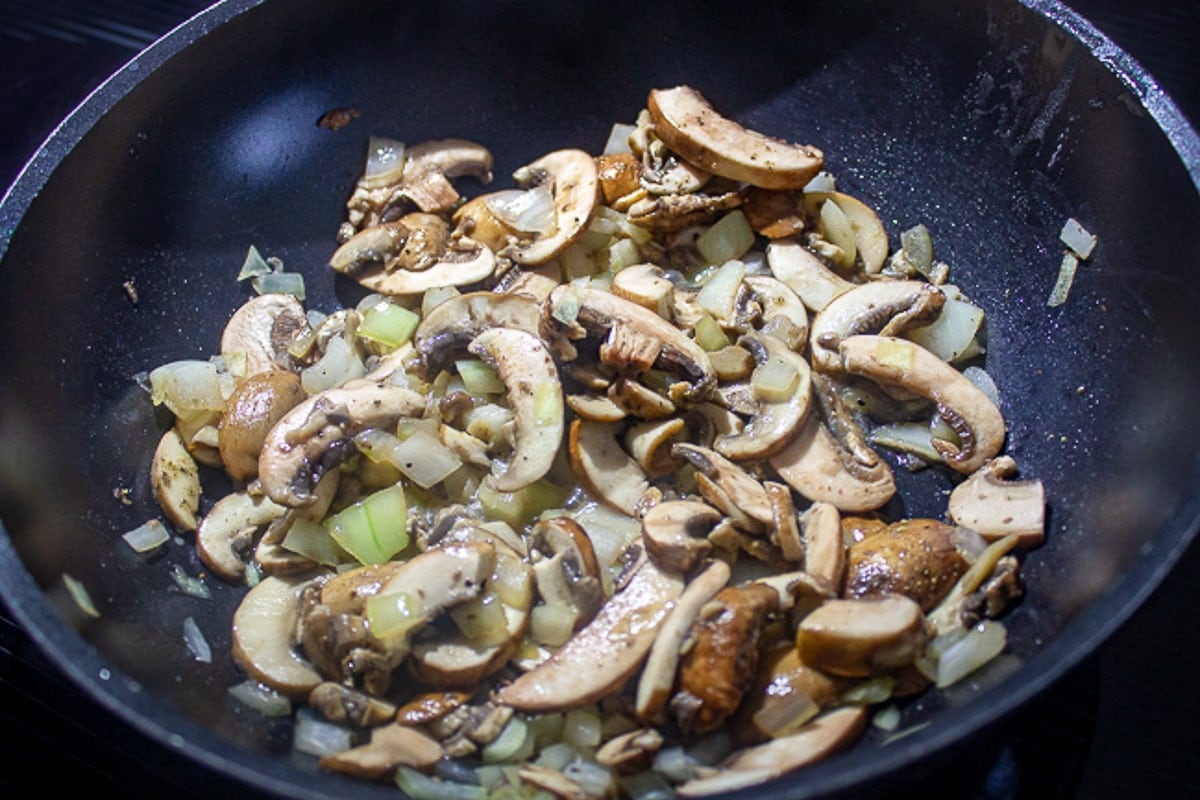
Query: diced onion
column 917, row 247
column 338, row 364
column 420, row 786
column 385, row 162
column 481, row 620
column 312, row 540
column 871, row 691
column 262, row 699
column 728, row 238
column 646, row 786
column 557, row 755
column 775, row 380
column 709, row 334
column 914, row 438
column 478, row 377
column 189, row 585
column 197, row 645
column 79, row 594
column 1066, row 278
column 838, row 231
column 394, row 614
column 953, row 336
column 526, row 210
column 983, row 381
column 823, row 182
column 375, row 528
column 189, row 388
column 1080, row 241
column 674, row 764
column 423, row 459
column 593, row 779
column 149, row 535
column 622, row 253
column 887, row 718
column 552, row 624
column 514, row 744
column 388, row 324
column 254, row 265
column 581, row 727
column 280, row 283
column 785, row 712
column 316, row 737
column 618, row 139
column 980, row 645
column 719, row 294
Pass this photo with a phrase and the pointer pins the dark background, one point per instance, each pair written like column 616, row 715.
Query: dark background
column 1122, row 724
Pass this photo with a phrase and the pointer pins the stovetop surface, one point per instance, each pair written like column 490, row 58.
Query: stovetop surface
column 1122, row 724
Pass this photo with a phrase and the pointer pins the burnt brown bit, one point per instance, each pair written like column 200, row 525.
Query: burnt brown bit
column 714, row 673
column 429, row 706
column 914, row 557
column 337, row 118
column 619, row 174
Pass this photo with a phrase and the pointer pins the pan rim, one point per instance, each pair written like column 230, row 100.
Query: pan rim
column 79, row 660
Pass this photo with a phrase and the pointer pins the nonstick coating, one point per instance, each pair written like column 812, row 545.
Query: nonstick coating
column 986, row 121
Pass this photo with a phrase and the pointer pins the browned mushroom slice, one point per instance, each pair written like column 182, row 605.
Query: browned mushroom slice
column 824, row 550
column 602, row 467
column 816, row 740
column 263, row 647
column 571, row 177
column 338, row 703
column 390, row 747
column 786, row 694
column 606, row 653
column 658, row 676
column 731, row 488
column 886, row 307
column 684, row 120
column 255, row 406
column 229, row 527
column 712, row 673
column 859, row 638
column 783, row 391
column 817, row 466
column 565, row 568
column 646, row 285
column 914, row 557
column 317, row 434
column 674, row 533
column 783, row 313
column 261, row 330
column 535, row 396
column 649, row 443
column 605, row 317
column 805, row 274
column 175, row 481
column 450, row 326
column 963, row 405
column 676, row 212
column 994, row 504
column 596, row 408
column 419, row 176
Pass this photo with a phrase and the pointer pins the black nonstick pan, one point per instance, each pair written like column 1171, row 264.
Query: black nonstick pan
column 991, row 122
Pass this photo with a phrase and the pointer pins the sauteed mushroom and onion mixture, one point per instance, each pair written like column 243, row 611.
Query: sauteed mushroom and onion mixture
column 587, row 497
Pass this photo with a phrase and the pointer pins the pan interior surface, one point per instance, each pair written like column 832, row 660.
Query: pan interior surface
column 985, row 121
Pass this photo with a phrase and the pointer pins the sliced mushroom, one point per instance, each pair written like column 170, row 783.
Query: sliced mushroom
column 571, row 175
column 255, row 406
column 175, row 481
column 783, row 313
column 994, row 504
column 630, row 752
column 658, row 676
column 785, row 527
column 602, row 467
column 684, row 120
column 318, row 433
column 619, row 175
column 604, row 654
column 820, row 468
column 429, row 706
column 645, row 285
column 739, row 495
column 599, row 312
column 870, row 238
column 565, row 568
column 596, row 408
column 423, row 179
column 886, row 307
column 463, row 262
column 860, row 638
column 674, row 533
column 754, row 765
column 491, row 626
column 916, row 558
column 639, row 400
column 534, row 282
column 713, row 671
column 778, row 415
column 805, row 274
column 824, row 550
column 262, row 636
column 338, row 703
column 963, row 405
column 676, row 212
column 534, row 394
column 261, row 330
column 391, row 747
column 786, row 694
column 229, row 527
column 451, row 326
column 649, row 442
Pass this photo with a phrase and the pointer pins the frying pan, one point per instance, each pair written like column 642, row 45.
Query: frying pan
column 991, row 122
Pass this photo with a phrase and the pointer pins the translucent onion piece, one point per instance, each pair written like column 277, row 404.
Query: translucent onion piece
column 775, row 380
column 189, row 585
column 837, row 230
column 147, row 536
column 254, row 265
column 952, row 337
column 188, row 388
column 728, row 238
column 339, row 364
column 375, row 528
column 317, row 737
column 262, row 699
column 980, row 645
column 385, row 161
column 197, row 645
column 719, row 294
column 618, row 139
column 513, row 745
column 983, row 381
column 887, row 718
column 79, row 594
column 1078, row 239
column 581, row 727
column 280, row 283
column 420, row 786
column 914, row 438
column 312, row 540
column 593, row 779
column 1066, row 278
column 822, row 182
column 525, row 210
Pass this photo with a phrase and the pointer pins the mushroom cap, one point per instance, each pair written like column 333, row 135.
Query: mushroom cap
column 575, row 186
column 262, row 636
column 454, row 323
column 261, row 330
